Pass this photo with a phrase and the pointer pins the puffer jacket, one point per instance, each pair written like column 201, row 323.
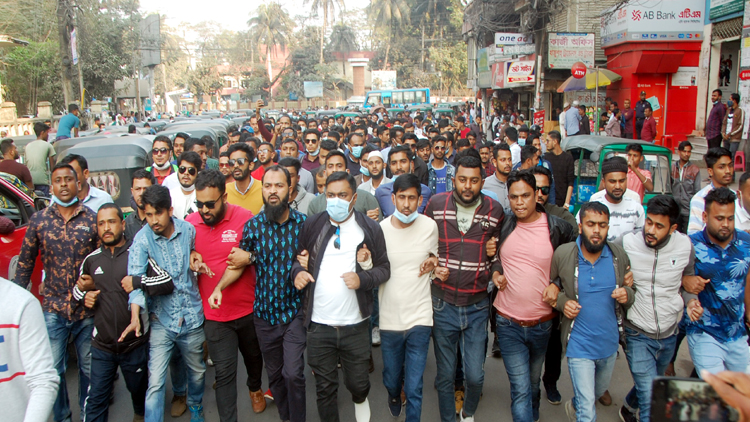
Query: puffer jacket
column 657, row 278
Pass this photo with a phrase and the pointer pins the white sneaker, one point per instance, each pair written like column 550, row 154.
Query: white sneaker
column 465, row 419
column 376, row 336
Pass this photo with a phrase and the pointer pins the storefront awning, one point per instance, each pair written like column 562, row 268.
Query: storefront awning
column 658, row 61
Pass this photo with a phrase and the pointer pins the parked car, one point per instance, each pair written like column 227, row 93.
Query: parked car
column 589, row 151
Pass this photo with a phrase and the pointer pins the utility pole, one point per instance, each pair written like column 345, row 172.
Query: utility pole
column 422, row 58
column 64, row 24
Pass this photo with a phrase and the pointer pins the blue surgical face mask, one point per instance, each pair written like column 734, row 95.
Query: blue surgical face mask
column 406, row 219
column 57, row 201
column 522, row 142
column 730, row 104
column 337, row 209
column 357, row 151
column 364, row 170
column 314, row 154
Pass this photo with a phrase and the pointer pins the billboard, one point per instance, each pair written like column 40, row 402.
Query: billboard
column 383, row 79
column 653, row 21
column 509, row 44
column 564, row 49
column 519, row 73
column 313, row 89
column 721, row 8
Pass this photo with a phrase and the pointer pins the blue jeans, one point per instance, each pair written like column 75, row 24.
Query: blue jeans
column 60, row 330
column 467, row 326
column 647, row 358
column 590, row 379
column 715, row 356
column 161, row 343
column 404, row 360
column 523, row 350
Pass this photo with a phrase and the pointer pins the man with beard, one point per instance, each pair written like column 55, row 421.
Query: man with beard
column 161, row 152
column 11, row 166
column 269, row 240
column 376, row 168
column 400, row 162
column 366, row 203
column 118, row 340
column 245, row 191
column 176, row 319
column 346, row 260
column 290, row 148
column 178, row 146
column 468, row 220
column 192, row 144
column 718, row 340
column 229, row 325
column 299, row 197
column 183, row 197
column 596, row 304
column 64, row 233
column 660, row 258
column 441, row 172
column 139, row 182
column 266, row 158
column 524, row 320
column 224, row 167
column 503, row 163
column 626, row 214
column 720, row 174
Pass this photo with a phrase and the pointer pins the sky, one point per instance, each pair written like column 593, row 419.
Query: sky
column 230, row 13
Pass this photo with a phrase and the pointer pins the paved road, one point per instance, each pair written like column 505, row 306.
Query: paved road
column 494, row 406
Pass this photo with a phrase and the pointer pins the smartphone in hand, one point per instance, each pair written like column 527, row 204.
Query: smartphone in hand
column 688, row 400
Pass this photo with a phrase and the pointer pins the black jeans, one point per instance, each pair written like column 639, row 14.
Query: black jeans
column 326, row 345
column 639, row 127
column 134, row 367
column 224, row 338
column 283, row 346
column 714, row 142
column 553, row 358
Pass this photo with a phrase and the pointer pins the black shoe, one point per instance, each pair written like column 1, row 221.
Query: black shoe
column 626, row 415
column 553, row 395
column 394, row 406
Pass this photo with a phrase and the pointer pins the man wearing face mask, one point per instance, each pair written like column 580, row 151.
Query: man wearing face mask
column 400, row 162
column 183, row 197
column 347, row 259
column 311, row 160
column 354, row 148
column 405, row 300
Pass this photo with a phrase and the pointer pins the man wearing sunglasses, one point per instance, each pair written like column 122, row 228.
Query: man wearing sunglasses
column 347, row 259
column 229, row 323
column 311, row 160
column 266, row 158
column 161, row 152
column 183, row 196
column 441, row 172
column 224, row 167
column 245, row 191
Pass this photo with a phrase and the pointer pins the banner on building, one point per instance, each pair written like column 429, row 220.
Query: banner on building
column 566, row 48
column 74, row 46
column 498, row 75
column 313, row 89
column 721, row 8
column 519, row 73
column 685, row 76
column 483, row 60
column 587, row 98
column 384, row 79
column 509, row 44
column 539, row 119
column 653, row 20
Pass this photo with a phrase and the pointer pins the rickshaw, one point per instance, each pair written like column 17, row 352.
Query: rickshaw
column 199, row 131
column 393, row 111
column 112, row 163
column 444, row 111
column 424, row 108
column 65, row 144
column 320, row 114
column 589, row 151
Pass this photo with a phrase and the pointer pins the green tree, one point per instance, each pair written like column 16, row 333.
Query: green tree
column 389, row 17
column 327, row 6
column 204, row 80
column 32, row 74
column 343, row 40
column 271, row 26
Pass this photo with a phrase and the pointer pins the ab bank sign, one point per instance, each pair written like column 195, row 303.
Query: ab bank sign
column 653, row 21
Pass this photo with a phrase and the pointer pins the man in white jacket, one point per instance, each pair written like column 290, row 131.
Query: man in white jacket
column 28, row 379
column 659, row 257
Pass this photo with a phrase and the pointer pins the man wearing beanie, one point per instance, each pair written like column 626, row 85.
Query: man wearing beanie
column 626, row 212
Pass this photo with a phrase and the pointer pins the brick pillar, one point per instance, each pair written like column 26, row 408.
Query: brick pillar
column 358, row 75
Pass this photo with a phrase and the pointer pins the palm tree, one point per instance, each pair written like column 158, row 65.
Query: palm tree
column 387, row 16
column 326, row 5
column 271, row 26
column 343, row 40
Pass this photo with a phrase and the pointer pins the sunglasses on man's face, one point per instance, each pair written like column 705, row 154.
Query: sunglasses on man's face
column 190, row 170
column 238, row 161
column 209, row 204
column 159, row 151
column 543, row 189
column 310, row 141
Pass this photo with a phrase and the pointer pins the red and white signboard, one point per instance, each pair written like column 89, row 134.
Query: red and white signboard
column 578, row 70
column 745, row 75
column 520, row 73
column 539, row 119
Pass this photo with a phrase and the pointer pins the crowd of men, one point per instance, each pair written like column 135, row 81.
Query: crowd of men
column 313, row 241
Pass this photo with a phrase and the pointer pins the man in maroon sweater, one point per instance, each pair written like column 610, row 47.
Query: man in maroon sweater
column 648, row 133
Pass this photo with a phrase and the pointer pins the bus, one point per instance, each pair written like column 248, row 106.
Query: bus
column 391, row 98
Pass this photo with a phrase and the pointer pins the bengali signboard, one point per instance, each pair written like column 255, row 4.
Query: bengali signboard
column 721, row 8
column 653, row 21
column 566, row 48
column 498, row 76
column 519, row 73
column 509, row 44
